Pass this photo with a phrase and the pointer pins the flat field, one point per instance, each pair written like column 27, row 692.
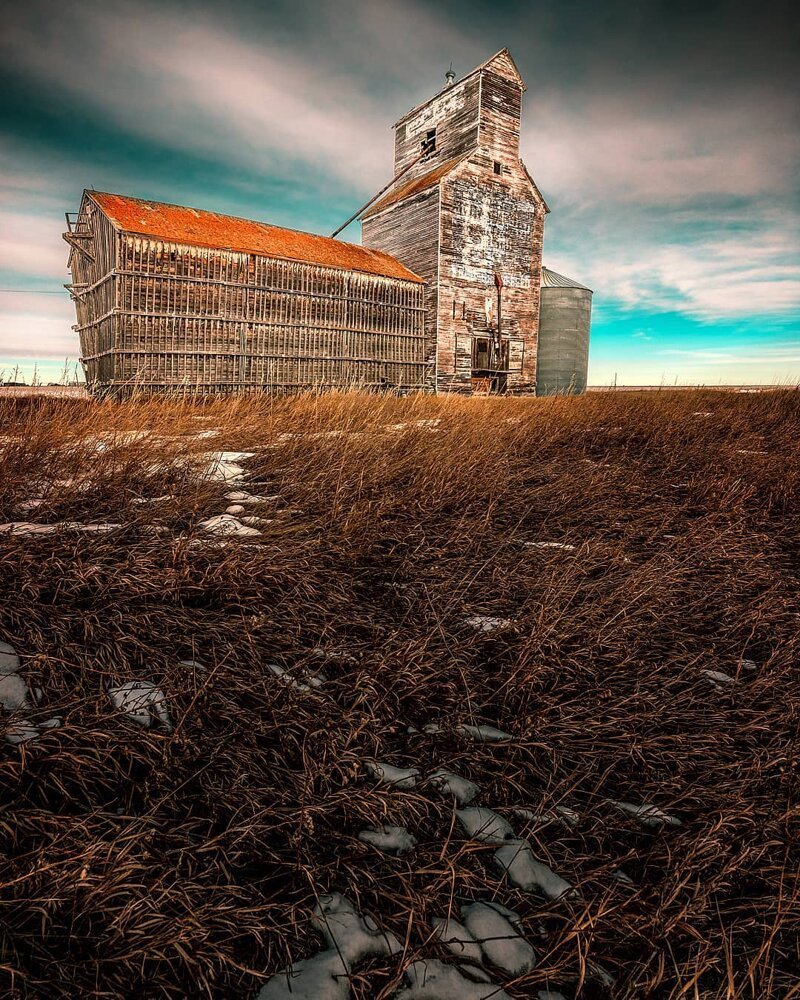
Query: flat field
column 609, row 581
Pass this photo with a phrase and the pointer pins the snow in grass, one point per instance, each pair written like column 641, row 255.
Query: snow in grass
column 13, row 692
column 305, row 681
column 447, row 782
column 457, row 938
column 355, row 937
column 560, row 814
column 193, row 664
column 143, row 702
column 231, row 527
column 565, row 546
column 13, row 689
column 9, row 659
column 243, row 497
column 483, row 733
column 717, row 679
column 322, row 977
column 350, row 938
column 498, row 933
column 487, row 623
column 29, row 528
column 23, row 731
column 386, row 774
column 484, row 825
column 225, row 466
column 430, row 979
column 515, row 859
column 646, row 814
column 388, row 839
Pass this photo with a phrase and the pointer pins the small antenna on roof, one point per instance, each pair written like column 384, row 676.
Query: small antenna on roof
column 450, row 77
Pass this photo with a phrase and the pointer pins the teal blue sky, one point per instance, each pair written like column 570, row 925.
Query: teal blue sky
column 665, row 138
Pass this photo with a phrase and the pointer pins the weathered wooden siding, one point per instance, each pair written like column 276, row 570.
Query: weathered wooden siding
column 501, row 108
column 411, row 234
column 164, row 315
column 489, row 224
column 454, row 114
column 92, row 264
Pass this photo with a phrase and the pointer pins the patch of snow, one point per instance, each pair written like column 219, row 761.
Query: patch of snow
column 310, row 680
column 24, row 730
column 486, row 623
column 225, row 466
column 28, row 528
column 13, row 692
column 647, row 815
column 458, row 939
column 9, row 659
column 484, row 825
column 386, row 774
column 515, row 859
column 497, row 931
column 235, row 508
column 430, row 979
column 560, row 814
column 224, row 524
column 622, row 877
column 322, row 977
column 144, row 500
column 253, row 522
column 749, row 665
column 194, row 664
column 142, row 702
column 21, row 732
column 483, row 733
column 718, row 679
column 388, row 839
column 447, row 782
column 353, row 936
column 551, row 545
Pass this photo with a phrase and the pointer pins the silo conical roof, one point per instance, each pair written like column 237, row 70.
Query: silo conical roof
column 551, row 279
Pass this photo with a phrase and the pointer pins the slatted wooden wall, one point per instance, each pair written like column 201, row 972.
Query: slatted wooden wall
column 166, row 316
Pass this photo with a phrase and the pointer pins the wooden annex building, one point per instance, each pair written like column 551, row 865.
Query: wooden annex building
column 443, row 295
column 172, row 298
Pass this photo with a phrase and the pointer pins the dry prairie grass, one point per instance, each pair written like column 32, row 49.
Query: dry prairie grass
column 136, row 862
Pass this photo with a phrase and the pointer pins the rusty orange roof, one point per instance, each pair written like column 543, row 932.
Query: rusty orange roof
column 414, row 186
column 178, row 224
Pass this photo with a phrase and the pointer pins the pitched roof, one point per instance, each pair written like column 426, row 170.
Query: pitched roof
column 478, row 69
column 415, row 186
column 178, row 224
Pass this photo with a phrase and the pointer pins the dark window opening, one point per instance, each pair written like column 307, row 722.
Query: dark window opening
column 497, row 167
column 429, row 142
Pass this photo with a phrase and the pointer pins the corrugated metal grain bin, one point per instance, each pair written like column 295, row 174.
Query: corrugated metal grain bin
column 565, row 316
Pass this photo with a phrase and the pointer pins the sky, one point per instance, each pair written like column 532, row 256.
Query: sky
column 665, row 137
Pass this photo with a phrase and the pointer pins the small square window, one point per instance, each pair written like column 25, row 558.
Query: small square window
column 497, row 167
column 429, row 142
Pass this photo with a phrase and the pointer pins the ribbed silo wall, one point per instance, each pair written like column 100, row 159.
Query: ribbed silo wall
column 565, row 317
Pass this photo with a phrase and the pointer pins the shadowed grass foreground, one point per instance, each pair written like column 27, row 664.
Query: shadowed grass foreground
column 146, row 863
